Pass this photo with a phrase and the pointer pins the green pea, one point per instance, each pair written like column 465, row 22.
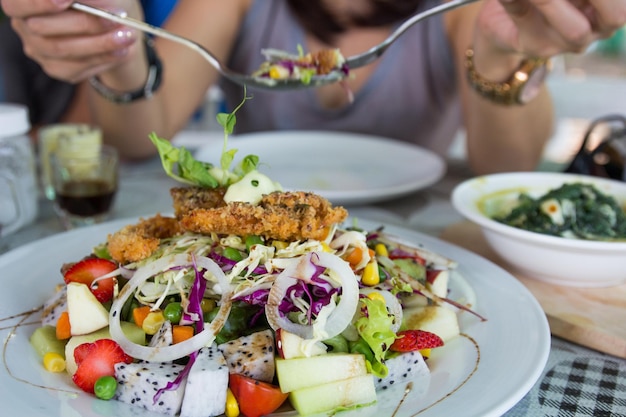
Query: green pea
column 173, row 312
column 252, row 240
column 232, row 254
column 207, row 305
column 337, row 344
column 105, row 387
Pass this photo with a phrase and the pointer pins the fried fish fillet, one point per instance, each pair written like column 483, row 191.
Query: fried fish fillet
column 135, row 242
column 287, row 216
column 186, row 199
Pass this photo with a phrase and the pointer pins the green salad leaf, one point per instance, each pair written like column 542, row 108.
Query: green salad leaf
column 375, row 329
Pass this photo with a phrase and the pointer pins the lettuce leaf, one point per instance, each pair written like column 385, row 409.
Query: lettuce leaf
column 375, row 329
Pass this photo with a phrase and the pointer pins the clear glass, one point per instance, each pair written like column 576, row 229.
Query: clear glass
column 18, row 185
column 66, row 139
column 85, row 185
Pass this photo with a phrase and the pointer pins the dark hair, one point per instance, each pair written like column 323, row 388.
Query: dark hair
column 319, row 21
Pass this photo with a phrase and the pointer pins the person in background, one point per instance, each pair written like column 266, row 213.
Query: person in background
column 50, row 100
column 450, row 71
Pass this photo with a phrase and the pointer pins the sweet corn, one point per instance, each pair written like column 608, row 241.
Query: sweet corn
column 370, row 275
column 376, row 296
column 53, row 362
column 278, row 72
column 381, row 249
column 153, row 321
column 232, row 406
column 425, row 352
column 326, row 248
column 279, row 244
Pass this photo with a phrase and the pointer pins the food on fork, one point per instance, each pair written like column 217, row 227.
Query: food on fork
column 281, row 65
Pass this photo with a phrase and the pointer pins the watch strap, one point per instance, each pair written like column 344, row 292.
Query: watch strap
column 507, row 92
column 153, row 81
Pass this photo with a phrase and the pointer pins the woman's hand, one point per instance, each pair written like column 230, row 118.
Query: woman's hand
column 72, row 45
column 545, row 28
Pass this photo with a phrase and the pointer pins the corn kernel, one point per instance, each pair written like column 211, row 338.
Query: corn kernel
column 153, row 322
column 376, row 296
column 278, row 72
column 326, row 248
column 279, row 244
column 53, row 362
column 370, row 275
column 381, row 249
column 425, row 352
column 232, row 406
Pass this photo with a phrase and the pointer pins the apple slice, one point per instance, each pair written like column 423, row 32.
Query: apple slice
column 358, row 390
column 298, row 373
column 290, row 346
column 86, row 313
column 439, row 320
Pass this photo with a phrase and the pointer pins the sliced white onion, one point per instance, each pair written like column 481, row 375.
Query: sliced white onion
column 179, row 350
column 392, row 303
column 303, row 268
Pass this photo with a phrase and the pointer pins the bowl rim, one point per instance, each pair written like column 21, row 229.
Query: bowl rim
column 465, row 195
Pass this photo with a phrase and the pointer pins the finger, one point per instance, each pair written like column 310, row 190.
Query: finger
column 68, row 23
column 607, row 16
column 25, row 8
column 562, row 17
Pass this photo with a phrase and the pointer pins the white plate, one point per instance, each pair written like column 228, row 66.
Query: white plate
column 503, row 356
column 346, row 168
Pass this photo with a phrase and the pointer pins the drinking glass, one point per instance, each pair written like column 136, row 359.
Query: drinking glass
column 85, row 185
column 64, row 138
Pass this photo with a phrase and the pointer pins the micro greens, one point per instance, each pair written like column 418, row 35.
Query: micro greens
column 180, row 164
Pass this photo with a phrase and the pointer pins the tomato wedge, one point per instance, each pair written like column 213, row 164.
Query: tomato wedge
column 255, row 398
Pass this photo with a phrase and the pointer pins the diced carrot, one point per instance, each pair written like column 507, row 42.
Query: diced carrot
column 355, row 257
column 181, row 333
column 63, row 330
column 140, row 313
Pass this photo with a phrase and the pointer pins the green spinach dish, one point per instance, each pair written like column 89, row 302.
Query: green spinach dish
column 574, row 210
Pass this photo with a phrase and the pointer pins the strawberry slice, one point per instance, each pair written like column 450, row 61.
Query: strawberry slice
column 410, row 340
column 87, row 270
column 96, row 360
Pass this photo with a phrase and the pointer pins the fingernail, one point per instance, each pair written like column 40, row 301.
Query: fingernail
column 124, row 36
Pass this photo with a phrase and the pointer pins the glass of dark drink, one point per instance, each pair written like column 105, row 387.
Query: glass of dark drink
column 85, row 184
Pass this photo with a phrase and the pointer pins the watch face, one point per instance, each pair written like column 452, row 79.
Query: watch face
column 531, row 89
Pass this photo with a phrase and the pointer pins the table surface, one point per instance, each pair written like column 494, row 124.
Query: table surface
column 575, row 382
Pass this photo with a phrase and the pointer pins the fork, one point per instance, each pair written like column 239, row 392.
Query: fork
column 376, row 52
column 352, row 62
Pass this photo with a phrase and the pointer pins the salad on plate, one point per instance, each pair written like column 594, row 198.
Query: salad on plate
column 247, row 301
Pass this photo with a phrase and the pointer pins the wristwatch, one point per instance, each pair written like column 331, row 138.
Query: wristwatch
column 153, row 81
column 521, row 87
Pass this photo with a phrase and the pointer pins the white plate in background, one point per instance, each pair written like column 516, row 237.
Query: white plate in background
column 346, row 168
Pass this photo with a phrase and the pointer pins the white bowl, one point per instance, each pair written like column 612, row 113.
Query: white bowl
column 558, row 260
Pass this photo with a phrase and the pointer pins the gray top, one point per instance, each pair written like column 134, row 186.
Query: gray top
column 411, row 96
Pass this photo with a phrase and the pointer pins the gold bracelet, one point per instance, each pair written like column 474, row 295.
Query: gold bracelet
column 520, row 88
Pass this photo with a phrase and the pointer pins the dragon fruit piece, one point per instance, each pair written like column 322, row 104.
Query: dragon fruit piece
column 252, row 355
column 163, row 337
column 205, row 393
column 409, row 366
column 53, row 307
column 139, row 382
